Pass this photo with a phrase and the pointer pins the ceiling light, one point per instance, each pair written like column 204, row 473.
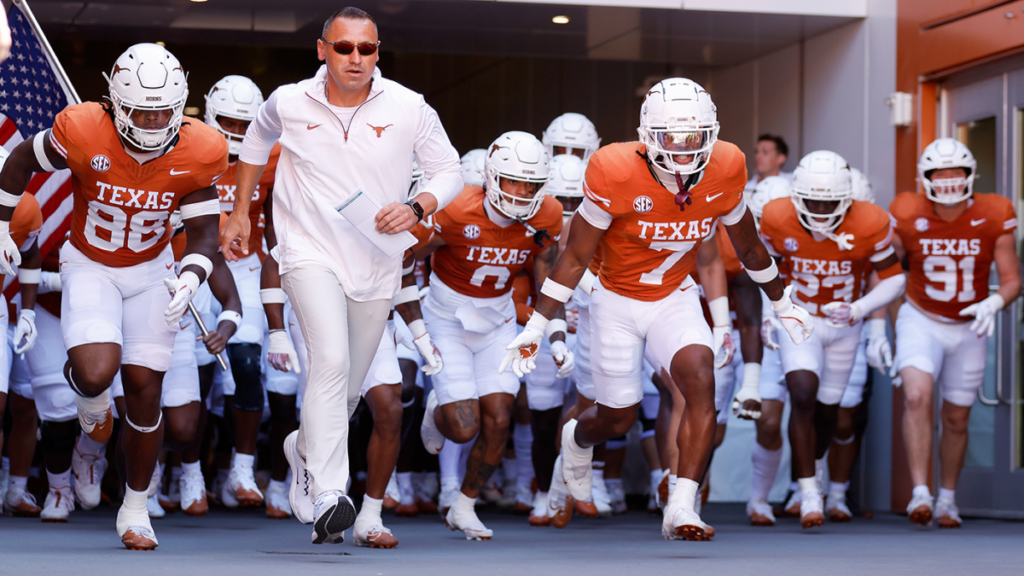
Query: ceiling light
column 560, row 19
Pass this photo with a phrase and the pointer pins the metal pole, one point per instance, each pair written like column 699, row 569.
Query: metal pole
column 48, row 50
column 202, row 328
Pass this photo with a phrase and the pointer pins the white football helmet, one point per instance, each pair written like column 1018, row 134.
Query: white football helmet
column 233, row 97
column 566, row 182
column 572, row 131
column 862, row 189
column 822, row 176
column 147, row 77
column 771, row 188
column 947, row 153
column 473, row 167
column 678, row 118
column 517, row 156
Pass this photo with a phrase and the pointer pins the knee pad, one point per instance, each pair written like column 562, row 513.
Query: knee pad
column 245, row 369
column 53, row 437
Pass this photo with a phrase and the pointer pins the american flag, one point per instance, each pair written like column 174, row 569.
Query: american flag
column 32, row 92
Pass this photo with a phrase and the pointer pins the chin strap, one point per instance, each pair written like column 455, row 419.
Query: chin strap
column 683, row 196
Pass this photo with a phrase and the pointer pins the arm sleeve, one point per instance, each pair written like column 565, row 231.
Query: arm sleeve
column 262, row 134
column 437, row 157
column 734, row 217
column 883, row 241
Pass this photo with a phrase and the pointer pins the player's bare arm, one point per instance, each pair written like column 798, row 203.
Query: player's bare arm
column 407, row 304
column 711, row 270
column 237, row 228
column 222, row 284
column 281, row 352
column 27, row 158
column 753, row 254
column 1008, row 267
column 543, row 264
column 584, row 239
column 268, row 215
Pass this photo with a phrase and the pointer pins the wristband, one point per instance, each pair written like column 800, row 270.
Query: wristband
column 587, row 282
column 764, row 276
column 29, row 275
column 876, row 327
column 230, row 316
column 555, row 290
column 197, row 209
column 409, row 270
column 555, row 325
column 197, row 260
column 408, row 294
column 273, row 296
column 720, row 311
column 9, row 200
column 418, row 328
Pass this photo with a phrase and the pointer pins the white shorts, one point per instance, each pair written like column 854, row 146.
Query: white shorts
column 471, row 359
column 274, row 380
column 583, row 376
column 384, row 368
column 621, row 327
column 773, row 382
column 950, row 352
column 854, row 393
column 246, row 273
column 727, row 380
column 6, row 354
column 125, row 306
column 404, row 352
column 544, row 390
column 181, row 381
column 55, row 400
column 829, row 353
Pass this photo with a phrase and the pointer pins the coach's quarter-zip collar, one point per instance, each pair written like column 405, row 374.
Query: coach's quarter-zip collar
column 319, row 96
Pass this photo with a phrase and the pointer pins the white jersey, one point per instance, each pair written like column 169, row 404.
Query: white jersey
column 328, row 154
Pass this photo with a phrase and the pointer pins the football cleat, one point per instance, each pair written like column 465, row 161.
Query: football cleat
column 920, row 509
column 59, row 504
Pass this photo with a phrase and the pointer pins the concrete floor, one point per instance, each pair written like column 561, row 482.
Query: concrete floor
column 233, row 542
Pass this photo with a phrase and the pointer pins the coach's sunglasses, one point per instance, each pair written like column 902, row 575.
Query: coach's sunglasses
column 346, row 48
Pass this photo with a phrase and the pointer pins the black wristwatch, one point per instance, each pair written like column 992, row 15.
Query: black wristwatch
column 416, row 209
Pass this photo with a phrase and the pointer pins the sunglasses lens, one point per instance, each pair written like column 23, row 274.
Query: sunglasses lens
column 344, row 48
column 367, row 48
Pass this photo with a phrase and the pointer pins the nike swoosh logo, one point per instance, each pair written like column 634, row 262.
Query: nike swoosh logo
column 976, row 222
column 509, row 320
column 170, row 265
column 311, row 127
column 710, row 198
column 254, row 269
column 176, row 173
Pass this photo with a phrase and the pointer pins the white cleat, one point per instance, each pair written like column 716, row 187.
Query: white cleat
column 334, row 514
column 241, row 488
column 524, row 499
column 299, row 492
column 278, row 507
column 193, row 495
column 682, row 524
column 373, row 534
column 432, row 438
column 837, row 509
column 18, row 502
column 920, row 509
column 811, row 510
column 88, row 470
column 135, row 529
column 602, row 500
column 468, row 522
column 618, row 499
column 760, row 513
column 577, row 464
column 792, row 506
column 59, row 504
column 154, row 508
column 948, row 514
column 539, row 513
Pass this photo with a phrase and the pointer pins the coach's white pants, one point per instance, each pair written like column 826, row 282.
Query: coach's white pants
column 341, row 338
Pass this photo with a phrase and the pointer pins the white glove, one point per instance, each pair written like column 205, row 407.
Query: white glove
column 984, row 313
column 26, row 329
column 795, row 319
column 879, row 351
column 564, row 358
column 182, row 289
column 49, row 282
column 522, row 352
column 897, row 379
column 281, row 354
column 430, row 353
column 8, row 250
column 768, row 327
column 725, row 348
column 841, row 314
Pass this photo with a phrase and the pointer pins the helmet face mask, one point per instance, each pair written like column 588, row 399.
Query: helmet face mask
column 571, row 133
column 679, row 126
column 822, row 191
column 514, row 159
column 147, row 79
column 936, row 160
column 232, row 103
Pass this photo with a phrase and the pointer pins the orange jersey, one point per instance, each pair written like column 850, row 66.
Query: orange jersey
column 227, row 185
column 950, row 261
column 25, row 224
column 818, row 270
column 480, row 259
column 651, row 246
column 121, row 207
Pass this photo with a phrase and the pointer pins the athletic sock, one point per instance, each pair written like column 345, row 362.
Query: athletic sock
column 134, row 501
column 922, row 491
column 838, row 490
column 405, row 488
column 244, row 461
column 685, row 494
column 371, row 510
column 808, row 485
column 464, row 503
column 448, row 462
column 176, row 472
column 87, row 445
column 522, row 439
column 947, row 495
column 191, row 468
column 62, row 480
column 766, row 468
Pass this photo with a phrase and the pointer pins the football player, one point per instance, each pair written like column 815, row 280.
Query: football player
column 571, row 133
column 649, row 205
column 483, row 240
column 951, row 237
column 133, row 161
column 827, row 240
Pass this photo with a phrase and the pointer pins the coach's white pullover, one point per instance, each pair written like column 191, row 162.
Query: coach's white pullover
column 327, row 154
